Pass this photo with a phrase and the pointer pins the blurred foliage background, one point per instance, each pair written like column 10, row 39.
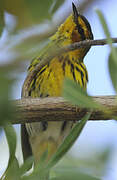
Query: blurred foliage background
column 25, row 26
column 30, row 12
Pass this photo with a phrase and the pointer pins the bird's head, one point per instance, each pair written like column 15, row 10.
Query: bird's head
column 76, row 28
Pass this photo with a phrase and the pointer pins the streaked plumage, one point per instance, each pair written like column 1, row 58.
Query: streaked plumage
column 49, row 82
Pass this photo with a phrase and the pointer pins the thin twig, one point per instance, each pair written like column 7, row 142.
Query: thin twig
column 57, row 109
column 71, row 47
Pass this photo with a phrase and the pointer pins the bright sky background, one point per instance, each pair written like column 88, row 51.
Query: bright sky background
column 96, row 135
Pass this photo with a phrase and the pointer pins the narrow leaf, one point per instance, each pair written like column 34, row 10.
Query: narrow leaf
column 113, row 70
column 69, row 175
column 11, row 140
column 39, row 167
column 113, row 55
column 1, row 22
column 77, row 96
column 107, row 33
column 68, row 142
column 26, row 166
column 12, row 172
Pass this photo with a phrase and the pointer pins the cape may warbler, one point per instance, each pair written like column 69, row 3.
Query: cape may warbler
column 47, row 136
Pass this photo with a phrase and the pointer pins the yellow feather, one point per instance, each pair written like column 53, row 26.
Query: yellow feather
column 49, row 82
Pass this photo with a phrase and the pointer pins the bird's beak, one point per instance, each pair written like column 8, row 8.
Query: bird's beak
column 75, row 12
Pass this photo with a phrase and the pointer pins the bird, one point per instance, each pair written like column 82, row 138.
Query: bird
column 44, row 136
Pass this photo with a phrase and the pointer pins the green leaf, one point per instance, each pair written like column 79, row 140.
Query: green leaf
column 112, row 63
column 68, row 142
column 29, row 12
column 6, row 108
column 104, row 25
column 77, row 96
column 32, row 177
column 13, row 171
column 11, row 140
column 39, row 171
column 107, row 33
column 43, row 169
column 39, row 9
column 6, row 114
column 1, row 22
column 42, row 162
column 73, row 175
column 43, row 9
column 96, row 165
column 113, row 69
column 26, row 166
column 37, row 176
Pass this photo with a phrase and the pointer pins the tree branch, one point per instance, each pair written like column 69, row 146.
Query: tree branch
column 56, row 52
column 57, row 109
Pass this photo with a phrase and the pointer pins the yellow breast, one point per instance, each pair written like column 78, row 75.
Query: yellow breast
column 49, row 81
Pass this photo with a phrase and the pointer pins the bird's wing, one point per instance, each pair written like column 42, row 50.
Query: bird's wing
column 46, row 51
